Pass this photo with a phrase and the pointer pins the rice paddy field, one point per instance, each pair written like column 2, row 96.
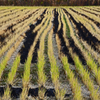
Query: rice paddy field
column 50, row 53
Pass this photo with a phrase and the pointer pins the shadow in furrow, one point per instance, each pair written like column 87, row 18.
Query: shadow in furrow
column 64, row 48
column 85, row 34
column 92, row 9
column 27, row 44
column 89, row 12
column 97, row 23
column 77, row 51
column 10, row 29
column 55, row 22
column 35, row 53
column 15, row 92
column 30, row 36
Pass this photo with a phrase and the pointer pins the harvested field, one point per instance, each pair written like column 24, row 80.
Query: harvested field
column 49, row 53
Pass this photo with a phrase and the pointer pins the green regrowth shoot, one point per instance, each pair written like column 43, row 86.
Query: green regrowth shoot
column 94, row 67
column 7, row 94
column 11, row 76
column 76, row 88
column 26, row 78
column 90, row 62
column 86, row 79
column 41, row 60
column 2, row 65
column 60, row 93
column 41, row 74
